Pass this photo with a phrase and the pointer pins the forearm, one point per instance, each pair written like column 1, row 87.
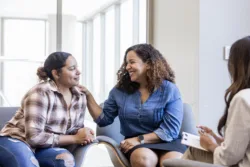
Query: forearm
column 67, row 140
column 151, row 138
column 94, row 109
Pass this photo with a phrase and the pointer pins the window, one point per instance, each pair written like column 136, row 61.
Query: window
column 96, row 64
column 78, row 46
column 28, row 41
column 109, row 50
column 126, row 32
column 142, row 21
column 103, row 59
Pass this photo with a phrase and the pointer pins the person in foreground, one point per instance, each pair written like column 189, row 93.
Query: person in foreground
column 51, row 116
column 149, row 107
column 233, row 148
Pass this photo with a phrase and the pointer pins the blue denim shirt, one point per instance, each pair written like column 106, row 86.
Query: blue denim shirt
column 161, row 113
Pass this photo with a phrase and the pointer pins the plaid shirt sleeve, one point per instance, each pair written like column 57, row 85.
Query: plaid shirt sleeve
column 35, row 112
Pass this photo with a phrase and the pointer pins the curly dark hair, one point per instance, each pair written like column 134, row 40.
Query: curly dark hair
column 159, row 69
column 239, row 70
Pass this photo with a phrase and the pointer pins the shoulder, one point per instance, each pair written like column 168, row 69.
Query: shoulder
column 242, row 97
column 39, row 94
column 116, row 91
column 170, row 88
column 169, row 85
column 117, row 94
column 40, row 88
column 239, row 109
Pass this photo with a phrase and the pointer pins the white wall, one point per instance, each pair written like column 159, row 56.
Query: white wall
column 191, row 34
column 1, row 67
column 176, row 35
column 221, row 23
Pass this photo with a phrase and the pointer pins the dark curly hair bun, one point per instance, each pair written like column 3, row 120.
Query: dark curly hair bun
column 41, row 73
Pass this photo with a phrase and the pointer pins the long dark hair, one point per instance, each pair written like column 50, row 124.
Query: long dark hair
column 159, row 69
column 239, row 69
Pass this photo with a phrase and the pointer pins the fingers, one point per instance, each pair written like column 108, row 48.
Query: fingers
column 88, row 131
column 84, row 143
column 125, row 146
column 91, row 131
column 205, row 128
column 128, row 149
column 201, row 132
column 122, row 142
column 87, row 141
column 82, row 88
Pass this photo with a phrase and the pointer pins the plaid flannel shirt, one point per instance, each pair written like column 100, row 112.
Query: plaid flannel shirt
column 43, row 116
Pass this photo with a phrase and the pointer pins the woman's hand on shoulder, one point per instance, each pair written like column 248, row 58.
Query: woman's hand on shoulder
column 84, row 136
column 129, row 143
column 83, row 89
column 205, row 129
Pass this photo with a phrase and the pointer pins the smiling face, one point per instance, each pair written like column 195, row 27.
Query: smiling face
column 69, row 75
column 136, row 67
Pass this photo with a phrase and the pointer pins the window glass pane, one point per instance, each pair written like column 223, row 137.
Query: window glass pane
column 79, row 46
column 96, row 58
column 126, row 27
column 19, row 77
column 88, row 49
column 28, row 41
column 142, row 21
column 109, row 51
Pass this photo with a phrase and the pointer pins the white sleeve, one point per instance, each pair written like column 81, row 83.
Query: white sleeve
column 237, row 132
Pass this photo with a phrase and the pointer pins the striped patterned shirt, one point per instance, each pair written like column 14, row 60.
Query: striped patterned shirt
column 43, row 116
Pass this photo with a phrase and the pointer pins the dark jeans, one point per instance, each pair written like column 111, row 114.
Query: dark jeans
column 15, row 153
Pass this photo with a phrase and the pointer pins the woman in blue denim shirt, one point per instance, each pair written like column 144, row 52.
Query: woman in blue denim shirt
column 149, row 107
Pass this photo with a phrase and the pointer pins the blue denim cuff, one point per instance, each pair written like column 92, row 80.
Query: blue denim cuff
column 162, row 135
column 98, row 120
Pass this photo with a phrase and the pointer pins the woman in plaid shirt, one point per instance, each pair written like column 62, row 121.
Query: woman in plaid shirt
column 51, row 116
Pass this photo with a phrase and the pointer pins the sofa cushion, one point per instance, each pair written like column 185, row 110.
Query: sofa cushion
column 6, row 114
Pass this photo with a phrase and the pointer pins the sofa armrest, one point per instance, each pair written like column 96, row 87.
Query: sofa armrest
column 186, row 163
column 81, row 151
column 117, row 157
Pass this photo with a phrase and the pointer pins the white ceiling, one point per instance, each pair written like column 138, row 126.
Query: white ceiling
column 41, row 8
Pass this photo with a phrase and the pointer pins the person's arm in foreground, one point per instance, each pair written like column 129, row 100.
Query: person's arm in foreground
column 94, row 109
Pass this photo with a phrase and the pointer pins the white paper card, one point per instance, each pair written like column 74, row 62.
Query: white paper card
column 191, row 140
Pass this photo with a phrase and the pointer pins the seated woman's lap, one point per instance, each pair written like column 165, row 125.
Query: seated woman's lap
column 168, row 155
column 143, row 157
column 16, row 153
column 49, row 156
column 148, row 157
